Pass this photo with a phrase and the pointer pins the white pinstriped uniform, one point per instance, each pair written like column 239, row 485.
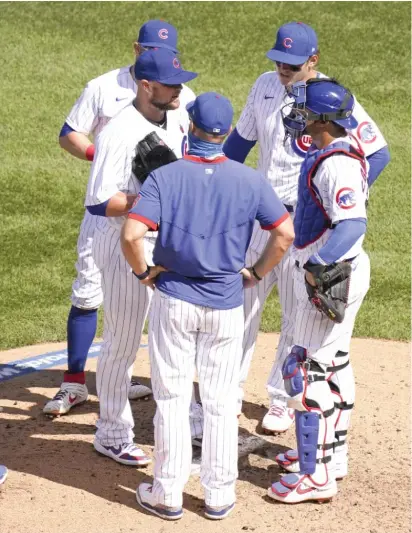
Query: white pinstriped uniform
column 328, row 343
column 280, row 162
column 126, row 300
column 100, row 101
column 184, row 336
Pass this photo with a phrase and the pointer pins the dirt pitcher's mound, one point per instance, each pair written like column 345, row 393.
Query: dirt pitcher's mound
column 58, row 484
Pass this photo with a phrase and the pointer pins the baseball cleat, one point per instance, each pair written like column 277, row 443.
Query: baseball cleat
column 126, row 454
column 137, row 390
column 3, row 474
column 289, row 461
column 145, row 499
column 218, row 513
column 299, row 488
column 278, row 419
column 69, row 395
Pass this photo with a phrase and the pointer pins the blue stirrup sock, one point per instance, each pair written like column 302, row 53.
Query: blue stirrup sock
column 81, row 330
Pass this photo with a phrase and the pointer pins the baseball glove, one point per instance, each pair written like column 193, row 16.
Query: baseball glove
column 330, row 295
column 151, row 153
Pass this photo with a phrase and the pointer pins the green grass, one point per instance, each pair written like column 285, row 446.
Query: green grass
column 49, row 52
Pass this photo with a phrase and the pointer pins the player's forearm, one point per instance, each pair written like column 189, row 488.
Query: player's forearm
column 280, row 240
column 131, row 239
column 78, row 145
column 120, row 204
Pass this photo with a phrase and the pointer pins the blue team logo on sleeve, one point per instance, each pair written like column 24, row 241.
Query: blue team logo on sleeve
column 301, row 146
column 346, row 198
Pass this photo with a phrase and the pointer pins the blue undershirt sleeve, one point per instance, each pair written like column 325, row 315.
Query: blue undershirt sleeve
column 99, row 209
column 377, row 162
column 236, row 147
column 343, row 237
column 66, row 129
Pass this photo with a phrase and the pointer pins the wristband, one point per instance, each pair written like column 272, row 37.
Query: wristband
column 255, row 274
column 89, row 152
column 143, row 275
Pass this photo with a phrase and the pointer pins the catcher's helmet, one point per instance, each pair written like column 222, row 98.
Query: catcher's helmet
column 318, row 99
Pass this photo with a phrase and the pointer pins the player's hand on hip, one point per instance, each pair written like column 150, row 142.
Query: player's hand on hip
column 154, row 271
column 249, row 279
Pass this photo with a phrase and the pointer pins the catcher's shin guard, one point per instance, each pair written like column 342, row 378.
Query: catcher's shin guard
column 342, row 385
column 310, row 394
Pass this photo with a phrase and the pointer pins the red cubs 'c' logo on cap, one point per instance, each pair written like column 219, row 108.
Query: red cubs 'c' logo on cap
column 163, row 34
column 287, row 42
column 176, row 63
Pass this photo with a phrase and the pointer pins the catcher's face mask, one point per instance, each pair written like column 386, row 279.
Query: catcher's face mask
column 296, row 115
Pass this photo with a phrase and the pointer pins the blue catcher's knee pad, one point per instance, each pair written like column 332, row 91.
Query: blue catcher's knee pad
column 307, row 434
column 291, row 371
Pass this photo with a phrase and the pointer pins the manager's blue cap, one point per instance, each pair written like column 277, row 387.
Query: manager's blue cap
column 295, row 43
column 158, row 34
column 211, row 112
column 163, row 66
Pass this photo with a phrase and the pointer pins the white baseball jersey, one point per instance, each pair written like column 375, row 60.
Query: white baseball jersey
column 342, row 184
column 280, row 161
column 101, row 99
column 115, row 149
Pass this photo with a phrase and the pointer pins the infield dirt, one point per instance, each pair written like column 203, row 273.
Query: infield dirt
column 58, row 484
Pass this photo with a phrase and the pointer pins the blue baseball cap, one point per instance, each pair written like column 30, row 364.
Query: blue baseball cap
column 295, row 43
column 163, row 66
column 211, row 112
column 158, row 34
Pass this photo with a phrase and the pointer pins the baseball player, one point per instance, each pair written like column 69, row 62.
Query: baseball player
column 101, row 99
column 196, row 320
column 295, row 54
column 111, row 191
column 331, row 279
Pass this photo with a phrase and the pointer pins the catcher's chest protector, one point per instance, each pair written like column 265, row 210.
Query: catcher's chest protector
column 311, row 219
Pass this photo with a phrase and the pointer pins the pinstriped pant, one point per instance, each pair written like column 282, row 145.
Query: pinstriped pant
column 184, row 337
column 126, row 303
column 254, row 302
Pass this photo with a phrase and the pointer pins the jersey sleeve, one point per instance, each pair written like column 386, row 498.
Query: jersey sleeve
column 271, row 212
column 147, row 206
column 84, row 115
column 367, row 132
column 246, row 125
column 342, row 184
column 111, row 168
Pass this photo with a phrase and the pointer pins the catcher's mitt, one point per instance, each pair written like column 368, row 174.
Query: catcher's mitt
column 330, row 295
column 151, row 153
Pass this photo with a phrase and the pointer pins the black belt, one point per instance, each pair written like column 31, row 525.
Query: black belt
column 289, row 208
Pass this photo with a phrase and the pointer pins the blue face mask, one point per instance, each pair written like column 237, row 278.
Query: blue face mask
column 202, row 148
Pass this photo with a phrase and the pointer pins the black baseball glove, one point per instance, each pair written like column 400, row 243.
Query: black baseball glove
column 330, row 295
column 151, row 153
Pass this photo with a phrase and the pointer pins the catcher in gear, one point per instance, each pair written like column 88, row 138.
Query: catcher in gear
column 331, row 271
column 151, row 153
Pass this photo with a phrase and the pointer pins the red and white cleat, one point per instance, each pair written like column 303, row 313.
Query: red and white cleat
column 278, row 419
column 299, row 488
column 69, row 395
